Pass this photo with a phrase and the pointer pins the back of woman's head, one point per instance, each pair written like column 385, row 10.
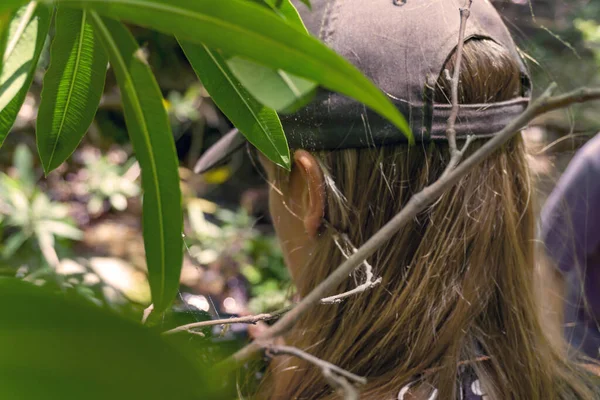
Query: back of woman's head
column 456, row 291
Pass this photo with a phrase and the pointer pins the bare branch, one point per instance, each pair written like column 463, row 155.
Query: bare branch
column 455, row 154
column 324, row 365
column 369, row 282
column 250, row 319
column 455, row 159
column 147, row 311
column 451, row 131
column 348, row 391
column 416, row 204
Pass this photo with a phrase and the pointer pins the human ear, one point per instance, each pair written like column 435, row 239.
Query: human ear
column 307, row 185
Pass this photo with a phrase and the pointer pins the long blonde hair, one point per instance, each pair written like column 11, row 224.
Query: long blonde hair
column 457, row 282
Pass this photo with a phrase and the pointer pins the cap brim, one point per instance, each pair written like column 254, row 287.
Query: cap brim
column 220, row 152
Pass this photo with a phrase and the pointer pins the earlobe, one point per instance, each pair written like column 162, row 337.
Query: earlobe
column 314, row 204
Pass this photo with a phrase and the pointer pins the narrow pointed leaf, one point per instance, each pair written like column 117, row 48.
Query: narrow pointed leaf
column 289, row 11
column 7, row 5
column 19, row 52
column 242, row 28
column 73, row 87
column 277, row 89
column 286, row 9
column 150, row 133
column 13, row 244
column 259, row 124
column 5, row 17
column 27, row 33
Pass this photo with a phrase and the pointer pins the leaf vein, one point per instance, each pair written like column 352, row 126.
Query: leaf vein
column 71, row 86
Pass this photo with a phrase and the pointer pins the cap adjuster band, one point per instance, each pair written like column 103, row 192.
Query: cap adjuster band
column 366, row 34
column 479, row 120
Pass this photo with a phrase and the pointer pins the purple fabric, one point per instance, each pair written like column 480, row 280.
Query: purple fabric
column 570, row 229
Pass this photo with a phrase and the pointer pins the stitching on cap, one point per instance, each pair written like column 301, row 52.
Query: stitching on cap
column 327, row 30
column 330, row 16
column 324, row 20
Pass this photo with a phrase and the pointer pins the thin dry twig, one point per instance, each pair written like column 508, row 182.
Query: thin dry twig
column 455, row 154
column 250, row 319
column 416, row 204
column 147, row 311
column 276, row 350
column 369, row 281
column 346, row 389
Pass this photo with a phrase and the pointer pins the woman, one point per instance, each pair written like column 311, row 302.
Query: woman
column 453, row 315
column 570, row 231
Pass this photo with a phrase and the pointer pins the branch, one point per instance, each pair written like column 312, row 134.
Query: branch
column 147, row 311
column 250, row 319
column 456, row 154
column 416, row 204
column 346, row 388
column 369, row 282
column 326, row 367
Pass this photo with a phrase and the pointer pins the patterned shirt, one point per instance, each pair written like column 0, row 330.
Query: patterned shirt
column 470, row 388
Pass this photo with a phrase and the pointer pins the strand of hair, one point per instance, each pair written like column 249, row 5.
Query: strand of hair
column 416, row 204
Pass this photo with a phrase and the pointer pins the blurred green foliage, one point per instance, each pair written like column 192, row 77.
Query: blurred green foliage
column 54, row 346
column 29, row 220
column 232, row 235
column 62, row 336
column 591, row 34
column 106, row 183
column 560, row 49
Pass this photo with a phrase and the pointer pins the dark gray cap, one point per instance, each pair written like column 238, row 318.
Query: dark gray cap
column 402, row 48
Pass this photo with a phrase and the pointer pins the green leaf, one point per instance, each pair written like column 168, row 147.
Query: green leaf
column 23, row 163
column 277, row 89
column 259, row 124
column 7, row 5
column 5, row 17
column 27, row 34
column 286, row 10
column 13, row 243
column 72, row 89
column 60, row 346
column 289, row 12
column 239, row 27
column 150, row 133
column 274, row 88
column 60, row 229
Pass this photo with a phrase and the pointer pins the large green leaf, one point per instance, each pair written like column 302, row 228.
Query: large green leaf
column 73, row 87
column 5, row 17
column 27, row 34
column 150, row 133
column 57, row 346
column 274, row 88
column 277, row 89
column 287, row 10
column 242, row 28
column 258, row 123
column 7, row 5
